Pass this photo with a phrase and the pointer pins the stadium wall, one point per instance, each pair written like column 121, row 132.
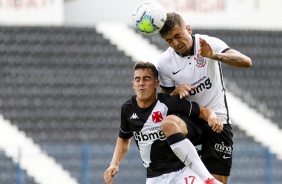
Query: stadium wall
column 31, row 12
column 231, row 14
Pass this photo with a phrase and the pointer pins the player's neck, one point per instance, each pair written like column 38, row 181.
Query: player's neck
column 188, row 52
column 145, row 103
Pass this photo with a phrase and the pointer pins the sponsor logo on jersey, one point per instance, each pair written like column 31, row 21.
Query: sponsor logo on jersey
column 200, row 61
column 205, row 84
column 142, row 136
column 220, row 147
column 134, row 116
column 157, row 116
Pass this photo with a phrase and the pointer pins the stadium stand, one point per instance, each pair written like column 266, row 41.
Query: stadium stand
column 63, row 86
column 9, row 172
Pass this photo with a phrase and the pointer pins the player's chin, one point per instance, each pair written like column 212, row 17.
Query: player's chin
column 183, row 50
column 178, row 50
column 143, row 97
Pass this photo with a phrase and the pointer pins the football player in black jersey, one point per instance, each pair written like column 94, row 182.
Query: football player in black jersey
column 160, row 125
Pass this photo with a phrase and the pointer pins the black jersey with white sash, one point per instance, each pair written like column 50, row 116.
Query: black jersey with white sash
column 144, row 124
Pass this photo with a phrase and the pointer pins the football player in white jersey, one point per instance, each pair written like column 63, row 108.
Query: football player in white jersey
column 191, row 69
column 159, row 122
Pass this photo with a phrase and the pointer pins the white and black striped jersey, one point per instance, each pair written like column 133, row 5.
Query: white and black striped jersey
column 199, row 71
column 144, row 124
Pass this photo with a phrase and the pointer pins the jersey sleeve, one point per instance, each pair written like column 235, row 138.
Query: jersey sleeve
column 166, row 81
column 183, row 107
column 218, row 45
column 124, row 131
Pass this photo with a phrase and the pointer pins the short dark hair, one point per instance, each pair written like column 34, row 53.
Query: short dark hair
column 172, row 20
column 146, row 65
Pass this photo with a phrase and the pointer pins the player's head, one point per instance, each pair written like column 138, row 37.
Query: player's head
column 172, row 20
column 145, row 81
column 177, row 34
column 146, row 65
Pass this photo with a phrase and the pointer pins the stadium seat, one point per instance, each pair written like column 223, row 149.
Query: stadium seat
column 64, row 87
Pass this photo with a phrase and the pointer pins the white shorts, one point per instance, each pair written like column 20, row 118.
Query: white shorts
column 183, row 176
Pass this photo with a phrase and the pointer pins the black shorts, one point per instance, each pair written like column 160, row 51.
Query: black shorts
column 217, row 148
column 194, row 131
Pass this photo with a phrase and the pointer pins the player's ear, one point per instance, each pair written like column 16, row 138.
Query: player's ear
column 132, row 84
column 188, row 28
column 157, row 83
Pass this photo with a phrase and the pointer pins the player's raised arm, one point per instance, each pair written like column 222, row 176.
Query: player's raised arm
column 122, row 147
column 231, row 57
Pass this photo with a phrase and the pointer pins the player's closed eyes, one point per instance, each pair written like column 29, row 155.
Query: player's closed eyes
column 146, row 79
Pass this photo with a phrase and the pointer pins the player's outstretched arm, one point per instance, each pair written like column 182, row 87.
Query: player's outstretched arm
column 231, row 57
column 210, row 117
column 122, row 147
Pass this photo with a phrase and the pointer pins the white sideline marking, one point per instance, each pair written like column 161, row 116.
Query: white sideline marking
column 255, row 125
column 44, row 169
column 133, row 45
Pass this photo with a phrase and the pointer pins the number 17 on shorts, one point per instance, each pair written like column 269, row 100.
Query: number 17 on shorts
column 182, row 176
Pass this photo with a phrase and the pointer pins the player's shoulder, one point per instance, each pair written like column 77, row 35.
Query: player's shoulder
column 209, row 38
column 163, row 96
column 128, row 102
column 167, row 98
column 165, row 56
column 203, row 36
column 167, row 52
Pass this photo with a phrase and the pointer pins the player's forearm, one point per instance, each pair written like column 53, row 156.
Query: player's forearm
column 173, row 93
column 206, row 114
column 167, row 91
column 122, row 147
column 233, row 59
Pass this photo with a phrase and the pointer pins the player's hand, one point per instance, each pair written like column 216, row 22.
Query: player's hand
column 205, row 49
column 182, row 90
column 216, row 124
column 110, row 173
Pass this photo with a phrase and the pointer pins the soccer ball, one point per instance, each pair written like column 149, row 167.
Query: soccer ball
column 149, row 17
